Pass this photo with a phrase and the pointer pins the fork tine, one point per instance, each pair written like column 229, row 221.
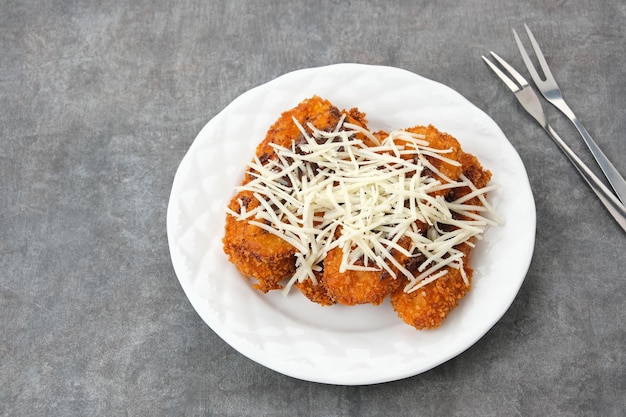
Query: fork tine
column 547, row 74
column 529, row 64
column 518, row 77
column 540, row 57
column 509, row 82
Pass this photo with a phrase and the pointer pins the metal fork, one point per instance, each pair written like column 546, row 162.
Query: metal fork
column 551, row 91
column 529, row 99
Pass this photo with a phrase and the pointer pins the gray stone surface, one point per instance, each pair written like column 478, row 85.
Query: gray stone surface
column 99, row 102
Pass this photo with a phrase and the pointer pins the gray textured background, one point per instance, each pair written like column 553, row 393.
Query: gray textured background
column 99, row 101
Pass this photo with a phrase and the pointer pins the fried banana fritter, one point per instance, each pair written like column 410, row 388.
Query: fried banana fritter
column 428, row 306
column 319, row 112
column 353, row 287
column 443, row 141
column 356, row 287
column 257, row 253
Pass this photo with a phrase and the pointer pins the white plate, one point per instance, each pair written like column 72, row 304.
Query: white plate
column 342, row 345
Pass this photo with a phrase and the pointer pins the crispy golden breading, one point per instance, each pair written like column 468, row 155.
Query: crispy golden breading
column 356, row 287
column 475, row 173
column 257, row 253
column 317, row 111
column 317, row 293
column 360, row 287
column 428, row 306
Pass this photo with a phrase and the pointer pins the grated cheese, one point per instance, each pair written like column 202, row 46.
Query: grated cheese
column 334, row 191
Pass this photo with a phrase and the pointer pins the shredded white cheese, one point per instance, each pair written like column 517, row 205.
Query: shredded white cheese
column 334, row 191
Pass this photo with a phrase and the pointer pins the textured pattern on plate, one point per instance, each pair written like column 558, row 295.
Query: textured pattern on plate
column 342, row 345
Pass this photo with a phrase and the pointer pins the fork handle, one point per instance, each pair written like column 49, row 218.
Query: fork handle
column 612, row 204
column 615, row 179
column 612, row 174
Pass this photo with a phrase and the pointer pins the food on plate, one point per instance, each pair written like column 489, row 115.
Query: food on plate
column 429, row 306
column 256, row 253
column 350, row 216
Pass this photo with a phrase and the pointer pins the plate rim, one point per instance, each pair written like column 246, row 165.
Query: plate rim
column 223, row 333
